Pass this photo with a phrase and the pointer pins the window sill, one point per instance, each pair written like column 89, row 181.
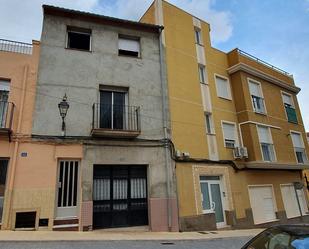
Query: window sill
column 81, row 50
column 261, row 113
column 202, row 45
column 224, row 98
column 210, row 134
column 129, row 56
column 204, row 83
column 296, row 123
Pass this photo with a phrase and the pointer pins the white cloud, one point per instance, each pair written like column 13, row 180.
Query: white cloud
column 23, row 19
column 220, row 21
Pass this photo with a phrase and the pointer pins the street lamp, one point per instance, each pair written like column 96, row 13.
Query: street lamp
column 63, row 107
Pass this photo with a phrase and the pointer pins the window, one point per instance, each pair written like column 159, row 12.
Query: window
column 299, row 147
column 79, row 38
column 3, row 172
column 229, row 134
column 289, row 108
column 257, row 97
column 129, row 46
column 4, row 96
column 202, row 73
column 209, row 123
column 223, row 87
column 266, row 143
column 198, row 36
column 113, row 109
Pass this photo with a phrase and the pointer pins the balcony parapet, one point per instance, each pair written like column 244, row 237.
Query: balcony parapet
column 15, row 47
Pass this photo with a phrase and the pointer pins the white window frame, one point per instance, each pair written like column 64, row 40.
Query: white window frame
column 78, row 32
column 198, row 36
column 235, row 133
column 131, row 38
column 202, row 74
column 292, row 101
column 272, row 142
column 303, row 144
column 262, row 95
column 228, row 87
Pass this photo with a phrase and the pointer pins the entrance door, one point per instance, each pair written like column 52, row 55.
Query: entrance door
column 67, row 189
column 119, row 196
column 211, row 191
column 3, row 173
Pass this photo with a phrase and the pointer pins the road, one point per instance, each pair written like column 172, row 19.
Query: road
column 224, row 243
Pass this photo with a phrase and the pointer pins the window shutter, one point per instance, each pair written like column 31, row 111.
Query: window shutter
column 129, row 45
column 229, row 131
column 223, row 87
column 297, row 140
column 255, row 89
column 4, row 85
column 264, row 135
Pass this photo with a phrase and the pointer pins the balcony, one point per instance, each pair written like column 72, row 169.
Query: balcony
column 238, row 57
column 15, row 47
column 115, row 121
column 6, row 117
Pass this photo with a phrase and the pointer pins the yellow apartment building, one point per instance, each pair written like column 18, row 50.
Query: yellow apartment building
column 240, row 143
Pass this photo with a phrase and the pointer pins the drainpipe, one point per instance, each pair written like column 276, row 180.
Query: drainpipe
column 165, row 127
column 16, row 145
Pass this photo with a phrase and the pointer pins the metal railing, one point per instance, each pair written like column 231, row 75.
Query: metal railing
column 116, row 117
column 15, row 47
column 6, row 115
column 263, row 62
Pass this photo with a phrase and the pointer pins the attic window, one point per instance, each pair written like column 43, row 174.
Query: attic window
column 79, row 38
column 129, row 46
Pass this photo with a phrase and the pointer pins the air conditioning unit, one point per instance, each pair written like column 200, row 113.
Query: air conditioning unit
column 178, row 154
column 186, row 154
column 240, row 152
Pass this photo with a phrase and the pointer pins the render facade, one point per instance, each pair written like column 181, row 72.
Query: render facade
column 18, row 75
column 236, row 127
column 108, row 165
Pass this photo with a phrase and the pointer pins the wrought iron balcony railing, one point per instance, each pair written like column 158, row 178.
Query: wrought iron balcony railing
column 115, row 120
column 15, row 47
column 6, row 115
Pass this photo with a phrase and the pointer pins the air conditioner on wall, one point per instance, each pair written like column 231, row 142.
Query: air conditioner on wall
column 240, row 152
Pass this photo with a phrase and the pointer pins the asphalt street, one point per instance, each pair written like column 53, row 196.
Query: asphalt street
column 224, row 243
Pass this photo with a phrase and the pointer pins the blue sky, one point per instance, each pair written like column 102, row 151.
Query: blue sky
column 276, row 31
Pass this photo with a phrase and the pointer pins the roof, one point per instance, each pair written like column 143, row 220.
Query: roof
column 91, row 17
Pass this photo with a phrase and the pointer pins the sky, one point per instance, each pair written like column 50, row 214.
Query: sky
column 275, row 31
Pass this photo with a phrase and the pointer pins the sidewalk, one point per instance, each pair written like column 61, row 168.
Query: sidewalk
column 112, row 235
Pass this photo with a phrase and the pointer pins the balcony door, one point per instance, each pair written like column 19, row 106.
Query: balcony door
column 112, row 109
column 4, row 96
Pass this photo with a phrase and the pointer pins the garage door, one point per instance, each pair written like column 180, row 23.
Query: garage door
column 119, row 196
column 290, row 201
column 262, row 203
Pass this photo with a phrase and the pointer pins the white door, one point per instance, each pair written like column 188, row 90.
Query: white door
column 67, row 197
column 212, row 198
column 290, row 201
column 262, row 203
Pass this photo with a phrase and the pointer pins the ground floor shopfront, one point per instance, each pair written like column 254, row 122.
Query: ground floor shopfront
column 217, row 196
column 47, row 185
